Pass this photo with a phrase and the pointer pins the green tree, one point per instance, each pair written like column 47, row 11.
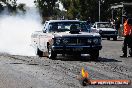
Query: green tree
column 46, row 7
column 12, row 6
column 90, row 8
column 72, row 7
column 21, row 7
column 1, row 7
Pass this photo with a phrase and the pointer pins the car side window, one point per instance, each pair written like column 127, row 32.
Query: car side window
column 97, row 25
column 53, row 27
column 45, row 27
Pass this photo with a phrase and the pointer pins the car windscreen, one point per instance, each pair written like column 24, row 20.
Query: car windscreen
column 104, row 25
column 65, row 26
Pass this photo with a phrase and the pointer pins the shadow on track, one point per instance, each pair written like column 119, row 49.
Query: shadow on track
column 102, row 59
column 119, row 39
column 85, row 58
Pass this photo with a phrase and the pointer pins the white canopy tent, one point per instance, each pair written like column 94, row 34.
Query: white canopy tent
column 120, row 5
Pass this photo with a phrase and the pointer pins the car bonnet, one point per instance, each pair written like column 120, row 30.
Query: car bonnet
column 80, row 34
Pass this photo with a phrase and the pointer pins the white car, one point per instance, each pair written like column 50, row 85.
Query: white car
column 105, row 29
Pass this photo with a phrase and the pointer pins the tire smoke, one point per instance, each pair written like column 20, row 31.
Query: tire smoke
column 16, row 30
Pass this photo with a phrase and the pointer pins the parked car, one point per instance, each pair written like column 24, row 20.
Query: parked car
column 105, row 29
column 66, row 37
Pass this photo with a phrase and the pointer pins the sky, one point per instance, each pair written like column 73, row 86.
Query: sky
column 29, row 3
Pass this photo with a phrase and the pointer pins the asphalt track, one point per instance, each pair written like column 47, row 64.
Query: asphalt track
column 34, row 72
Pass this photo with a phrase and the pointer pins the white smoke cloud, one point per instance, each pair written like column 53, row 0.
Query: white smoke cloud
column 15, row 32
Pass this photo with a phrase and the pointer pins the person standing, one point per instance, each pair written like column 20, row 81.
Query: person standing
column 127, row 32
column 112, row 21
column 89, row 23
column 117, row 26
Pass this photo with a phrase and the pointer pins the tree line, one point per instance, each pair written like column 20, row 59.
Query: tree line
column 11, row 6
column 81, row 9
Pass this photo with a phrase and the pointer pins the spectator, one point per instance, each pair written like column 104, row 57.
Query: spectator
column 112, row 21
column 127, row 36
column 89, row 23
column 117, row 26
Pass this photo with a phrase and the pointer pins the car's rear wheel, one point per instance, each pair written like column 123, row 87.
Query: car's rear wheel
column 39, row 52
column 51, row 53
column 94, row 55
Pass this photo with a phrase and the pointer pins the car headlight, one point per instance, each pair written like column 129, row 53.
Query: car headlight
column 89, row 41
column 95, row 41
column 58, row 41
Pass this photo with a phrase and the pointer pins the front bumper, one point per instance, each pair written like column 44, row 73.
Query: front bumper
column 108, row 35
column 74, row 49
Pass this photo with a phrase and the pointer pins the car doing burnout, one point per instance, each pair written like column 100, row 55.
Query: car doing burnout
column 105, row 29
column 66, row 37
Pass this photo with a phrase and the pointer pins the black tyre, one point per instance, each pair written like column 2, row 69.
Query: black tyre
column 108, row 38
column 94, row 55
column 51, row 53
column 115, row 38
column 39, row 52
column 77, row 54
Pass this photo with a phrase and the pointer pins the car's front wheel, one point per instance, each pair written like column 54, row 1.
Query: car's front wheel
column 115, row 38
column 94, row 55
column 108, row 38
column 51, row 53
column 39, row 52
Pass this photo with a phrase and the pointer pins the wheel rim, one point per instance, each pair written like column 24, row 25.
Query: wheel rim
column 49, row 52
column 36, row 51
column 130, row 52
